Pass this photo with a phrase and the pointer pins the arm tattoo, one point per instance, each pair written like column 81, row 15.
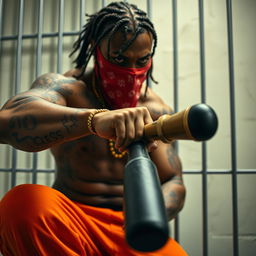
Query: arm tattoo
column 53, row 83
column 174, row 197
column 39, row 140
column 173, row 158
column 27, row 122
column 176, row 180
column 19, row 101
column 50, row 84
column 50, row 81
column 69, row 122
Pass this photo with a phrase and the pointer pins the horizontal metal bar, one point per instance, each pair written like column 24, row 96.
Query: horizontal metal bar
column 27, row 170
column 29, row 36
column 221, row 171
column 241, row 171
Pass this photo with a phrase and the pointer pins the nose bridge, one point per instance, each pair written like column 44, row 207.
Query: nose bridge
column 132, row 56
column 132, row 59
column 133, row 64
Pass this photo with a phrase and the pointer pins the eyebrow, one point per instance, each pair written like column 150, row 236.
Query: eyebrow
column 144, row 57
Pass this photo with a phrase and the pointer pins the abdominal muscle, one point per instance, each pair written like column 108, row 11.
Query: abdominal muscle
column 89, row 175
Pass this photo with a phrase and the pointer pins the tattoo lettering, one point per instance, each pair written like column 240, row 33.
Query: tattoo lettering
column 28, row 122
column 69, row 122
column 39, row 140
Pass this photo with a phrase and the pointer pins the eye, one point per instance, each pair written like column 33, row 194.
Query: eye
column 118, row 59
column 143, row 61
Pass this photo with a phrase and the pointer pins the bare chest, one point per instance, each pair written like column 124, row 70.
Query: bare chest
column 89, row 159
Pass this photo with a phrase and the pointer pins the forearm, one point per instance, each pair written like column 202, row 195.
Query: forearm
column 174, row 196
column 170, row 172
column 37, row 124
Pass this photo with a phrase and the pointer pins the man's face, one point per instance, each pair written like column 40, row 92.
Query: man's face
column 136, row 56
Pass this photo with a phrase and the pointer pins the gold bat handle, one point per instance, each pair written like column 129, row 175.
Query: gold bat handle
column 198, row 122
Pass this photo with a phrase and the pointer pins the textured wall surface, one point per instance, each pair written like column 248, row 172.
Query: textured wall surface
column 189, row 73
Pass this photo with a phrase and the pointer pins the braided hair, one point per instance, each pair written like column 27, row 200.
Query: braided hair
column 117, row 16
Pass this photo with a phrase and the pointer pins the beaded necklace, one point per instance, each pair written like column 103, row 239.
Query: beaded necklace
column 111, row 143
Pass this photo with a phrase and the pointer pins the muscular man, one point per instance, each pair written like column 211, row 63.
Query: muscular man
column 88, row 118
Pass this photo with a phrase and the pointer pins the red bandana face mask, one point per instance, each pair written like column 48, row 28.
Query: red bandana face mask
column 120, row 86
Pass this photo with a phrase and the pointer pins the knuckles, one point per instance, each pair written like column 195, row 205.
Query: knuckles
column 129, row 123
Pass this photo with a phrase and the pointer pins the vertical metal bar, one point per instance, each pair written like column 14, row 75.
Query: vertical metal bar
column 175, row 55
column 149, row 8
column 38, row 72
column 103, row 3
column 60, row 36
column 19, row 48
column 82, row 8
column 149, row 13
column 204, row 148
column 233, row 128
column 175, row 87
column 1, row 22
column 17, row 81
column 39, row 38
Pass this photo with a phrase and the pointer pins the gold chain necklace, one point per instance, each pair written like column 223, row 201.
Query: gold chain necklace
column 111, row 143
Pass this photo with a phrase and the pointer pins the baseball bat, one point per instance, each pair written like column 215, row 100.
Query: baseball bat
column 146, row 224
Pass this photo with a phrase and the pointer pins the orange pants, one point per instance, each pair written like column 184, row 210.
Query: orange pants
column 38, row 220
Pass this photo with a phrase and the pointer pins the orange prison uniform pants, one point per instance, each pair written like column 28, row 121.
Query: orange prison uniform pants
column 39, row 220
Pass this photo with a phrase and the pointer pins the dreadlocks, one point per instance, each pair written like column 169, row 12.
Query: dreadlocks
column 121, row 16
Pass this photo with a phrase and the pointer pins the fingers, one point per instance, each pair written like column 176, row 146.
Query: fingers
column 122, row 125
column 120, row 131
column 126, row 130
column 130, row 126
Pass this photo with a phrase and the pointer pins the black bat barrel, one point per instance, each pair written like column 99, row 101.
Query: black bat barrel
column 146, row 224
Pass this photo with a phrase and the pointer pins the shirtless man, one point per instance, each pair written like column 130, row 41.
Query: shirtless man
column 82, row 213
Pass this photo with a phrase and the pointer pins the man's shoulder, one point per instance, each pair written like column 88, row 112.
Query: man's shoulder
column 73, row 73
column 67, row 85
column 52, row 79
column 155, row 104
column 149, row 96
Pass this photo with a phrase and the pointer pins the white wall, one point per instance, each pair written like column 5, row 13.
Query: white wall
column 217, row 95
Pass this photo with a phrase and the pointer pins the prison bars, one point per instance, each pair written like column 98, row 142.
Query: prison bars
column 204, row 172
column 38, row 72
column 1, row 15
column 175, row 89
column 233, row 127
column 204, row 147
column 17, row 80
column 203, row 100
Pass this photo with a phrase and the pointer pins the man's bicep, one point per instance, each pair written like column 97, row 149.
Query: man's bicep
column 52, row 87
column 167, row 161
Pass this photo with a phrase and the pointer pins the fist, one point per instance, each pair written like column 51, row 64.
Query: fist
column 122, row 125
